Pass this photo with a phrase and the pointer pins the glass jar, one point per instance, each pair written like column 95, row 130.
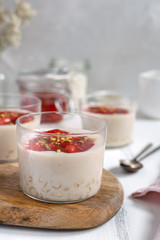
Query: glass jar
column 149, row 94
column 2, row 83
column 77, row 71
column 61, row 162
column 51, row 86
column 117, row 110
column 13, row 106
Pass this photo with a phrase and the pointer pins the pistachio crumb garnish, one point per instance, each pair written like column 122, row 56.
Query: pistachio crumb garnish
column 53, row 138
column 58, row 150
column 46, row 146
column 59, row 144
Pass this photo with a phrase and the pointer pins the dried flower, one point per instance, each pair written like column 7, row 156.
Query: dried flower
column 24, row 11
column 11, row 22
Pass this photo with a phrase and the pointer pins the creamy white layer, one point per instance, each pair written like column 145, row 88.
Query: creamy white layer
column 61, row 177
column 8, row 140
column 8, row 144
column 120, row 127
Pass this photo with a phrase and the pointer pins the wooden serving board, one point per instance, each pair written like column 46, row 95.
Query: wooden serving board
column 19, row 210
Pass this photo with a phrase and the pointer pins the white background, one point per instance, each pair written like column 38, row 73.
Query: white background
column 121, row 38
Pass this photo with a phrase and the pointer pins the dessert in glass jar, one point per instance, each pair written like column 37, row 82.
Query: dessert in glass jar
column 12, row 106
column 61, row 161
column 51, row 86
column 77, row 71
column 117, row 111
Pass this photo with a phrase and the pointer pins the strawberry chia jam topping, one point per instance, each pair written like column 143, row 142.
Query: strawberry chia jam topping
column 61, row 144
column 50, row 100
column 9, row 118
column 107, row 110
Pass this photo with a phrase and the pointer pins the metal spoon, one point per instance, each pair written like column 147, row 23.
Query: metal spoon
column 134, row 164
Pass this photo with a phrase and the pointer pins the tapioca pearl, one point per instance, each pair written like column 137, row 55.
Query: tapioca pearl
column 65, row 189
column 81, row 198
column 59, row 195
column 48, row 190
column 88, row 185
column 45, row 190
column 76, row 185
column 40, row 179
column 47, row 196
column 33, row 191
column 9, row 153
column 30, row 179
column 45, row 184
column 89, row 189
column 56, row 186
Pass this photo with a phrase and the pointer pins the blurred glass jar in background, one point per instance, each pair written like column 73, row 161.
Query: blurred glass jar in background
column 149, row 93
column 2, row 83
column 77, row 71
column 50, row 86
column 12, row 106
column 117, row 110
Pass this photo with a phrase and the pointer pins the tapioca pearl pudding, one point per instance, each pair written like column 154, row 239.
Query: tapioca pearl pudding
column 120, row 123
column 8, row 143
column 61, row 169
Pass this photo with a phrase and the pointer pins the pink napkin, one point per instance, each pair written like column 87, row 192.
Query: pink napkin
column 154, row 188
column 143, row 191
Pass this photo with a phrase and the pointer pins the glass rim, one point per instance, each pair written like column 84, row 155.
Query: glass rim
column 77, row 63
column 107, row 97
column 41, row 75
column 105, row 92
column 44, row 85
column 105, row 124
column 151, row 74
column 20, row 96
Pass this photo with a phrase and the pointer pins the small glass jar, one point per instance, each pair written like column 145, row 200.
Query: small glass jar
column 2, row 83
column 149, row 94
column 13, row 106
column 51, row 86
column 77, row 71
column 117, row 110
column 61, row 161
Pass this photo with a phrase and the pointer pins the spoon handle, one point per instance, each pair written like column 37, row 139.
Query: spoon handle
column 142, row 151
column 149, row 153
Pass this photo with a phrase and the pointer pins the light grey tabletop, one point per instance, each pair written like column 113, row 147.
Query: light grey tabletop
column 137, row 220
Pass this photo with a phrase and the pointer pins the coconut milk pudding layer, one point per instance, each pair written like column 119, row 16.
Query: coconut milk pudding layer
column 120, row 123
column 61, row 167
column 8, row 144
